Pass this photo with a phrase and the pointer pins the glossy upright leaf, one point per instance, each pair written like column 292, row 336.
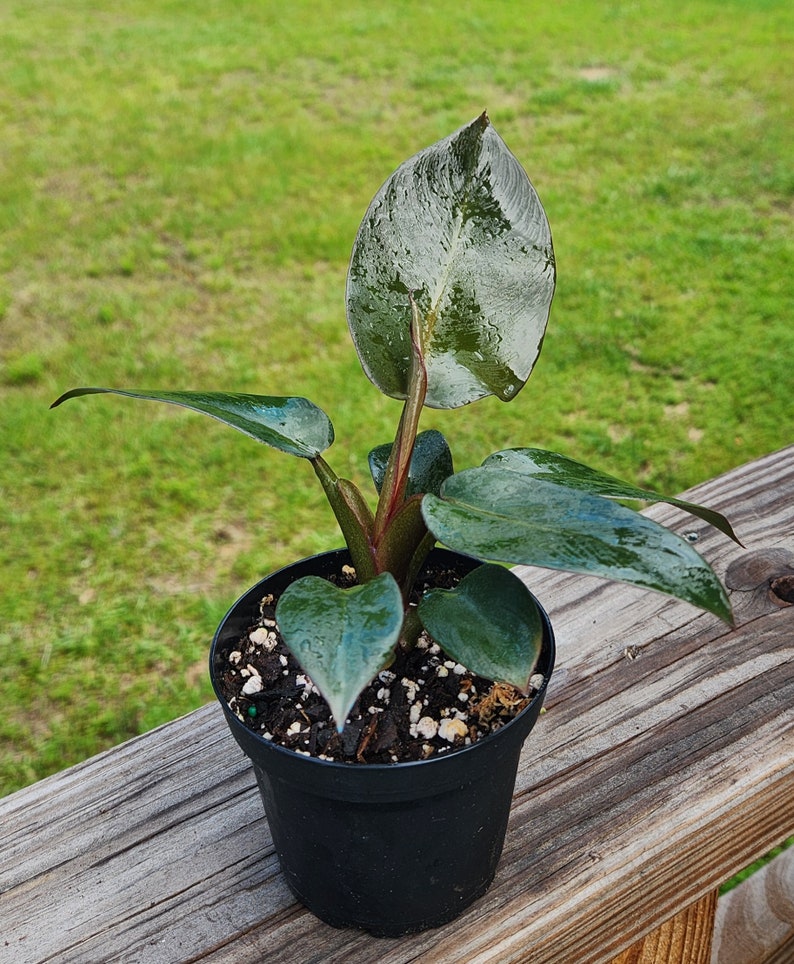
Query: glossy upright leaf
column 293, row 425
column 460, row 226
column 498, row 514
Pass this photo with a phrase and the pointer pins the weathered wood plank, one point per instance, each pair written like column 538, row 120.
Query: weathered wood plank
column 664, row 764
column 141, row 831
column 755, row 921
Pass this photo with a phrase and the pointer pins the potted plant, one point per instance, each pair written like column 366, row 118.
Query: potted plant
column 383, row 691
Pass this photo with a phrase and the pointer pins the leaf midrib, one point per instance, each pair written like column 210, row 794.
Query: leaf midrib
column 435, row 300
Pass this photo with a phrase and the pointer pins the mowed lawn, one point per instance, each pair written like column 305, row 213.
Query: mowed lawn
column 180, row 185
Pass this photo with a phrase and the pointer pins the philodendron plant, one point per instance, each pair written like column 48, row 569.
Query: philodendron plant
column 448, row 294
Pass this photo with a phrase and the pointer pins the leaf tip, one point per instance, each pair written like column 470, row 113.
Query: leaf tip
column 76, row 393
column 66, row 395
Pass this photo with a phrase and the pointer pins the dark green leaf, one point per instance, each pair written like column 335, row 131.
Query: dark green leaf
column 495, row 513
column 460, row 226
column 551, row 467
column 341, row 637
column 293, row 425
column 431, row 463
column 489, row 622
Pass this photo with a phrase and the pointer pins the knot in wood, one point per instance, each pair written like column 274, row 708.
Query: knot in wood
column 783, row 588
column 755, row 570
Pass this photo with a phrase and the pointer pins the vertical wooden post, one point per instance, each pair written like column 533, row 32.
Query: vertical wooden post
column 755, row 921
column 684, row 939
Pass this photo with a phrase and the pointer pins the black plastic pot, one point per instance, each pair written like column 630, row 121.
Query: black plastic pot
column 389, row 848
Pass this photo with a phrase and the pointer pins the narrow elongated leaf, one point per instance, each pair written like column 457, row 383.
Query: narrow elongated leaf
column 489, row 622
column 293, row 425
column 431, row 463
column 495, row 513
column 551, row 467
column 460, row 226
column 341, row 637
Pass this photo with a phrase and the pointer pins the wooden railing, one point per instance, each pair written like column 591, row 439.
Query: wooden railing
column 663, row 765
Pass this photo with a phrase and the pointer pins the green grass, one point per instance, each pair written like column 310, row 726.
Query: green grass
column 178, row 199
column 755, row 866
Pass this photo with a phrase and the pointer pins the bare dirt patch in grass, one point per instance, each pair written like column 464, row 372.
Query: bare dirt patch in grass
column 597, row 74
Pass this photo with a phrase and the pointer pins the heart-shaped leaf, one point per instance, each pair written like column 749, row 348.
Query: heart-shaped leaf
column 341, row 637
column 293, row 425
column 460, row 226
column 431, row 463
column 551, row 467
column 489, row 622
column 495, row 513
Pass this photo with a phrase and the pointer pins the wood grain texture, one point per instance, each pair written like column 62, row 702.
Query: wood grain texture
column 755, row 921
column 664, row 764
column 684, row 939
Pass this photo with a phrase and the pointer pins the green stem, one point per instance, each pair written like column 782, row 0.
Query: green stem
column 353, row 515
